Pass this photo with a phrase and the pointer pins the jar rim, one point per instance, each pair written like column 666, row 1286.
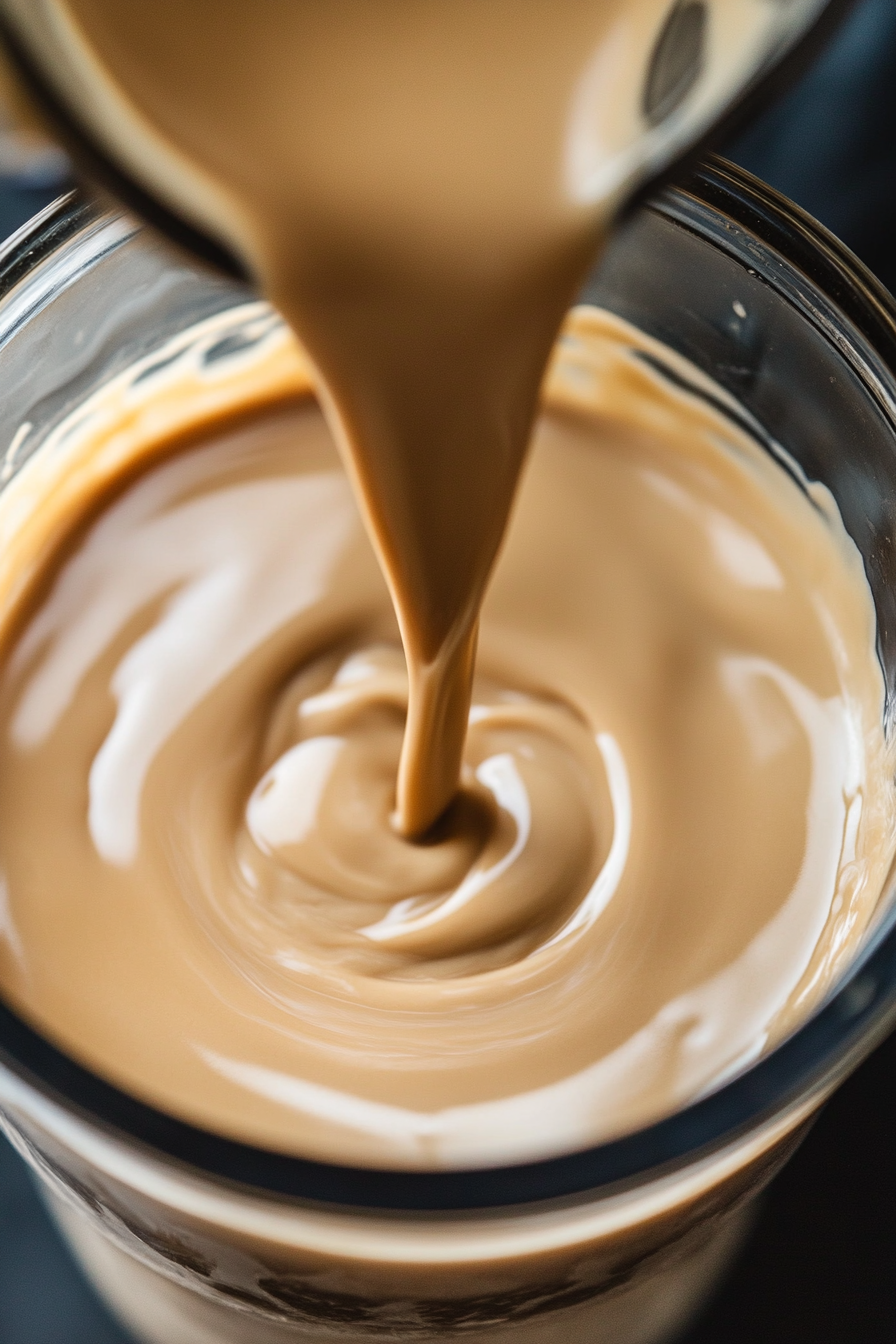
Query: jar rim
column 854, row 1017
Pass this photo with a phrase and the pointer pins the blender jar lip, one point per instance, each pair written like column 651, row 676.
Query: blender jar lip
column 771, row 80
column 846, row 1027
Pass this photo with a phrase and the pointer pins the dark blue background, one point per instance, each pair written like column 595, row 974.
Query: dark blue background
column 821, row 1265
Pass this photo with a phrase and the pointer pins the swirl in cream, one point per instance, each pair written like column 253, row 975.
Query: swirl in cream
column 675, row 813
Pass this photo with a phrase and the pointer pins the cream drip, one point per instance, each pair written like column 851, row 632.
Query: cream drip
column 421, row 192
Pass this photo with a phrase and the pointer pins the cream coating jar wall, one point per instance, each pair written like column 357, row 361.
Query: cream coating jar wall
column 194, row 1238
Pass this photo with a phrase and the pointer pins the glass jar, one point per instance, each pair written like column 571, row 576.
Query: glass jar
column 196, row 1239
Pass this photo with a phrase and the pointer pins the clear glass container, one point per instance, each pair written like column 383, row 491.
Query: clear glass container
column 194, row 1238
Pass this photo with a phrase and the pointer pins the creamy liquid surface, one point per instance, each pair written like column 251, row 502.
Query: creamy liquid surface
column 420, row 187
column 676, row 812
column 262, row 900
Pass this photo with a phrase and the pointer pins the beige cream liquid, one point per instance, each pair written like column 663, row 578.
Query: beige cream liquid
column 676, row 811
column 420, row 188
column 317, row 877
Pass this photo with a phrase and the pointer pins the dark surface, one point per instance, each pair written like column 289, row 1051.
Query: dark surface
column 831, row 144
column 820, row 1267
column 43, row 1298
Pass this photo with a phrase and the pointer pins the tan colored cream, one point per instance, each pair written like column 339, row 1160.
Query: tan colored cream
column 676, row 808
column 420, row 188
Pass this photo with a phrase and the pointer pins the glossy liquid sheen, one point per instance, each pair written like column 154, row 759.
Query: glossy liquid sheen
column 676, row 810
column 312, row 874
column 420, row 188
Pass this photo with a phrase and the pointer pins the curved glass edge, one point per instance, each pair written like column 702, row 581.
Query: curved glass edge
column 43, row 234
column 846, row 1028
column 806, row 250
column 770, row 83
